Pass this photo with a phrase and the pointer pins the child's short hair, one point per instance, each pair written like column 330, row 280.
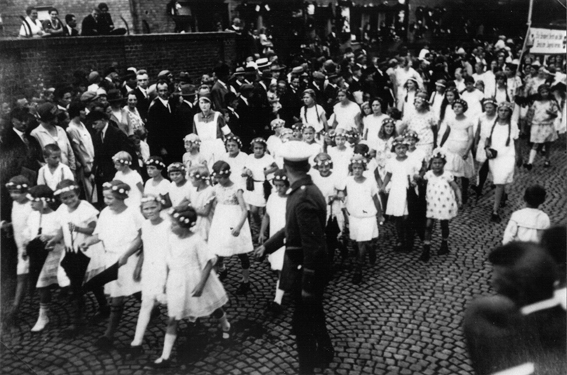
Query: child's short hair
column 308, row 127
column 280, row 175
column 233, row 138
column 177, row 167
column 18, row 183
column 395, row 113
column 362, row 149
column 186, row 217
column 45, row 194
column 122, row 157
column 119, row 189
column 199, row 172
column 221, row 168
column 66, row 186
column 50, row 148
column 155, row 161
column 535, row 195
column 323, row 158
column 141, row 132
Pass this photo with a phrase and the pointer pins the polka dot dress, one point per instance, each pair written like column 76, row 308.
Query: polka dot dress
column 440, row 196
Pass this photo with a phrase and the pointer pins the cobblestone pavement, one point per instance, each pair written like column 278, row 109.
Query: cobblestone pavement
column 405, row 318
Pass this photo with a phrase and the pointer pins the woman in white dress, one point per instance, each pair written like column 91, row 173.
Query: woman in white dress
column 502, row 151
column 373, row 122
column 209, row 125
column 312, row 113
column 347, row 113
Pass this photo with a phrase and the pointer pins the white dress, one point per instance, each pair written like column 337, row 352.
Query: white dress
column 186, row 259
column 401, row 172
column 312, row 117
column 276, row 208
column 227, row 215
column 440, row 196
column 161, row 189
column 178, row 193
column 83, row 215
column 372, row 125
column 52, row 272
column 132, row 179
column 361, row 209
column 20, row 214
column 383, row 148
column 485, row 126
column 237, row 164
column 257, row 166
column 526, row 225
column 117, row 231
column 154, row 268
column 200, row 199
column 345, row 115
column 502, row 167
column 341, row 160
column 456, row 147
column 210, row 144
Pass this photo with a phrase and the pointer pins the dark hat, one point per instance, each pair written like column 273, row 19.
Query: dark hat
column 222, row 70
column 187, row 90
column 246, row 87
column 102, row 6
column 109, row 70
column 318, row 75
column 114, row 95
column 184, row 77
column 239, row 71
column 266, row 75
column 47, row 111
column 297, row 70
column 96, row 115
column 333, row 76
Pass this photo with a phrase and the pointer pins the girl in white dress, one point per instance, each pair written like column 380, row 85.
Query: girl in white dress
column 119, row 229
column 18, row 187
column 312, row 113
column 157, row 185
column 410, row 90
column 122, row 161
column 485, row 122
column 373, row 123
column 155, row 237
column 340, row 154
column 443, row 199
column 235, row 158
column 503, row 139
column 193, row 289
column 309, row 138
column 399, row 171
column 179, row 189
column 458, row 145
column 258, row 165
column 363, row 212
column 231, row 232
column 77, row 221
column 209, row 125
column 42, row 223
column 201, row 199
column 275, row 220
column 194, row 156
column 274, row 141
column 383, row 152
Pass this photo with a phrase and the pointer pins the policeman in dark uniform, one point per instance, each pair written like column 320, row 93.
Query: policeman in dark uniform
column 305, row 271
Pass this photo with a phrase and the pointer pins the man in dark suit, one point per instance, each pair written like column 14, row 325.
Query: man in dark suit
column 331, row 91
column 107, row 141
column 261, row 105
column 89, row 27
column 306, row 266
column 70, row 28
column 220, row 88
column 317, row 85
column 163, row 135
column 247, row 128
column 291, row 103
column 142, row 94
column 18, row 142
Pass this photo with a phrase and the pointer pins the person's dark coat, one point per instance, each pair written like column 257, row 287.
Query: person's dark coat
column 89, row 27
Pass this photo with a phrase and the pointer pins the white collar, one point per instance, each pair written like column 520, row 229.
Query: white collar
column 164, row 102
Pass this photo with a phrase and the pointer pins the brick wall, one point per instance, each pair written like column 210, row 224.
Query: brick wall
column 12, row 9
column 24, row 62
column 154, row 14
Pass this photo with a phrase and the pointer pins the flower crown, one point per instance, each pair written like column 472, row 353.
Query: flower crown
column 282, row 177
column 66, row 189
column 509, row 106
column 490, row 101
column 297, row 127
column 220, row 173
column 461, row 102
column 439, row 153
column 40, row 199
column 122, row 161
column 109, row 186
column 399, row 141
column 152, row 198
column 389, row 120
column 181, row 219
column 352, row 133
column 321, row 163
column 277, row 122
column 358, row 161
column 233, row 139
column 198, row 176
column 259, row 140
column 155, row 162
column 410, row 134
column 176, row 167
column 13, row 186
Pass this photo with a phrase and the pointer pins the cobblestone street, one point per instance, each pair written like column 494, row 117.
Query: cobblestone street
column 405, row 317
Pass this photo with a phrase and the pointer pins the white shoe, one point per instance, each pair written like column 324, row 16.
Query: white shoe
column 39, row 326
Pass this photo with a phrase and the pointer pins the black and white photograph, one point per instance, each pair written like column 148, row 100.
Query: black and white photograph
column 257, row 187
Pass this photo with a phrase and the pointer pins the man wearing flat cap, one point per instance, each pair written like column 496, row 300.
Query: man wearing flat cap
column 305, row 271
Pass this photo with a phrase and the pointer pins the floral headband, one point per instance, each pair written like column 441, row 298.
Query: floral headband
column 490, row 101
column 352, row 133
column 119, row 190
column 198, row 176
column 358, row 160
column 277, row 122
column 176, row 167
column 152, row 198
column 411, row 134
column 321, row 163
column 282, row 177
column 439, row 153
column 259, row 140
column 232, row 138
column 66, row 189
column 388, row 121
column 40, row 199
column 121, row 161
column 185, row 221
column 220, row 173
column 13, row 186
column 509, row 106
column 155, row 163
column 461, row 102
column 297, row 127
column 399, row 141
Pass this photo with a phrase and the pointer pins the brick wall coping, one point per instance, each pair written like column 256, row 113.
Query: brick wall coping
column 41, row 43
